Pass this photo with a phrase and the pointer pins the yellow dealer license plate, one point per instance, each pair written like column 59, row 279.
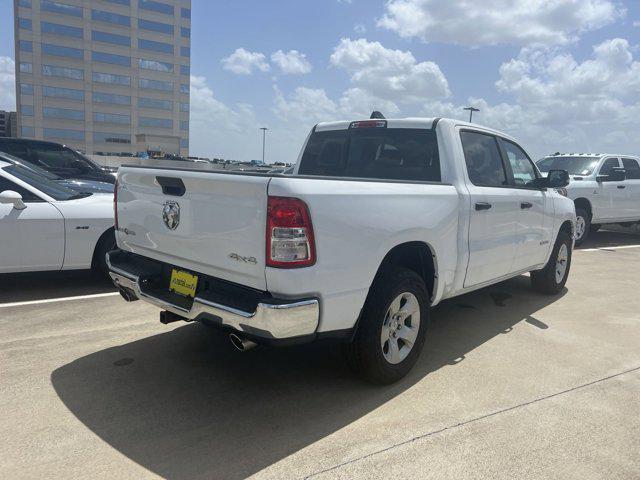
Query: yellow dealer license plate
column 183, row 283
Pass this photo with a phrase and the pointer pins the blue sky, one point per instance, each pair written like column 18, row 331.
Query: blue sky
column 561, row 75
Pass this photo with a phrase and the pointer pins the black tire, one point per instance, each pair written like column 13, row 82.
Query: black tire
column 365, row 354
column 594, row 227
column 580, row 213
column 106, row 243
column 545, row 280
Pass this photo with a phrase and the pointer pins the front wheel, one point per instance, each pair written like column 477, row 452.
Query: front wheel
column 552, row 278
column 583, row 226
column 392, row 329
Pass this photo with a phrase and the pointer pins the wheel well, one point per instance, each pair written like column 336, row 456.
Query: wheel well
column 584, row 204
column 103, row 238
column 567, row 227
column 416, row 256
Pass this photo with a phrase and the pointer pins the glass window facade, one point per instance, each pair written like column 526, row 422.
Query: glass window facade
column 25, row 23
column 155, row 65
column 25, row 46
column 27, row 132
column 185, row 12
column 100, row 117
column 26, row 110
column 184, row 124
column 100, row 137
column 63, row 8
column 184, row 143
column 184, row 107
column 155, row 103
column 155, row 6
column 68, row 93
column 111, row 58
column 111, row 78
column 185, row 52
column 64, row 30
column 65, row 113
column 99, row 97
column 26, row 67
column 155, row 122
column 162, row 85
column 155, row 26
column 109, row 17
column 26, row 89
column 184, row 88
column 24, row 3
column 65, row 72
column 155, row 46
column 63, row 133
column 185, row 70
column 60, row 51
column 120, row 2
column 185, row 32
column 112, row 38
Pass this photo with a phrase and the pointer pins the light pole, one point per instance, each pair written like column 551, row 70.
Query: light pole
column 264, row 135
column 471, row 110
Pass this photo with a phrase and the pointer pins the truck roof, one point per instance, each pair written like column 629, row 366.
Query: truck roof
column 411, row 122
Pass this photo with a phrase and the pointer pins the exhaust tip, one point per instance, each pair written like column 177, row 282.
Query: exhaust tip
column 127, row 294
column 241, row 344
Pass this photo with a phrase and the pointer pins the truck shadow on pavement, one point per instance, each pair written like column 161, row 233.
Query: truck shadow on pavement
column 611, row 238
column 23, row 287
column 184, row 404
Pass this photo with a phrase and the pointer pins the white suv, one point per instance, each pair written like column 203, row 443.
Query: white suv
column 604, row 187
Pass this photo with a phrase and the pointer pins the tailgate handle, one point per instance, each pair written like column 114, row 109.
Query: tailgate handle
column 172, row 186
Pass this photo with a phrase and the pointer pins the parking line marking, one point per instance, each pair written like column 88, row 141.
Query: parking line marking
column 613, row 247
column 61, row 299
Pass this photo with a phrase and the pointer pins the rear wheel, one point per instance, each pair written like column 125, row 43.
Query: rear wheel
column 392, row 329
column 106, row 243
column 583, row 225
column 594, row 227
column 552, row 278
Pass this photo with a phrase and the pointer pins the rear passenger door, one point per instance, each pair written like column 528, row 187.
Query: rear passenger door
column 632, row 184
column 535, row 209
column 494, row 210
column 611, row 202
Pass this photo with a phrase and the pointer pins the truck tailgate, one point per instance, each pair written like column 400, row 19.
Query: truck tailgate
column 221, row 229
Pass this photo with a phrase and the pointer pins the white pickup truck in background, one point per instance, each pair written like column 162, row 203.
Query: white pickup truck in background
column 381, row 220
column 604, row 187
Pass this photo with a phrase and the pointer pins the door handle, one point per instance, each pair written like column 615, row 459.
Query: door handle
column 621, row 186
column 483, row 206
column 524, row 205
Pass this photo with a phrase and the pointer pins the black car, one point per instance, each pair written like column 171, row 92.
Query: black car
column 58, row 159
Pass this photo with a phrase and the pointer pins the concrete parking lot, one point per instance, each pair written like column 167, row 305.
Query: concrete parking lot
column 512, row 384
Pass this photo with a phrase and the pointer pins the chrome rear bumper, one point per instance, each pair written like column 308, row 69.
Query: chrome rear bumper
column 278, row 320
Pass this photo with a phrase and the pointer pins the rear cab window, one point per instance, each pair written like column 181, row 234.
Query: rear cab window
column 632, row 168
column 378, row 153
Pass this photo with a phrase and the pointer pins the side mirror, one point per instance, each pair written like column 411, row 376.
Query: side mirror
column 616, row 175
column 14, row 198
column 557, row 178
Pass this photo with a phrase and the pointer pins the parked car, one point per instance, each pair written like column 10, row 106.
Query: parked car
column 58, row 159
column 47, row 226
column 90, row 186
column 381, row 220
column 604, row 187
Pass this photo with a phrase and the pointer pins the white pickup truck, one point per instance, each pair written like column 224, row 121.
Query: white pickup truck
column 604, row 187
column 381, row 220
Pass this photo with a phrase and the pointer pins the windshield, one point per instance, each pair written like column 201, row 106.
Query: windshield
column 384, row 153
column 44, row 184
column 573, row 165
column 30, row 166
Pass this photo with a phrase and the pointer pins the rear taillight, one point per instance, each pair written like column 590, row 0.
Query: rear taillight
column 290, row 241
column 115, row 205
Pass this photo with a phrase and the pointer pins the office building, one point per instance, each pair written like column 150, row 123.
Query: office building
column 8, row 124
column 104, row 75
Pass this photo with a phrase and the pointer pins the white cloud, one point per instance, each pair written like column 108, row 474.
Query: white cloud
column 244, row 62
column 292, row 62
column 7, row 84
column 562, row 104
column 636, row 23
column 492, row 22
column 360, row 29
column 392, row 75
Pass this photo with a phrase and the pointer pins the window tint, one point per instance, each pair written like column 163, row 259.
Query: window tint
column 185, row 70
column 62, row 8
column 386, row 153
column 155, row 6
column 44, row 184
column 483, row 160
column 105, row 37
column 65, row 30
column 632, row 168
column 17, row 149
column 524, row 172
column 60, row 51
column 155, row 26
column 25, row 23
column 57, row 157
column 27, row 196
column 108, row 17
column 26, row 46
column 155, row 46
column 608, row 165
column 111, row 58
